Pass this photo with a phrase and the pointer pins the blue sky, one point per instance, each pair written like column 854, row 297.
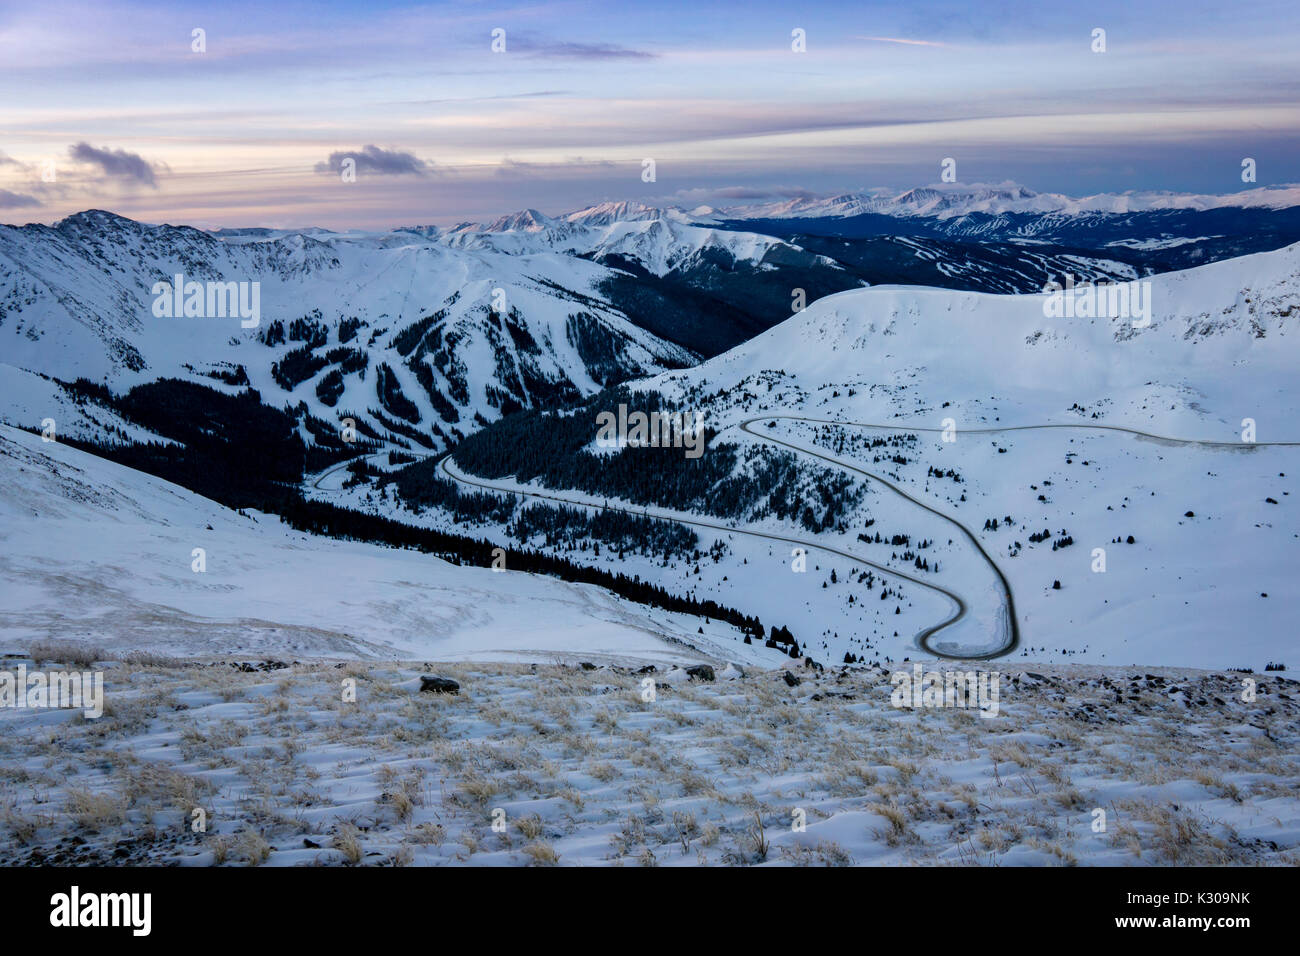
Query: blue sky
column 113, row 99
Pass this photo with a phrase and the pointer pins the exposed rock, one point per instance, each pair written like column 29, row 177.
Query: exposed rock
column 439, row 685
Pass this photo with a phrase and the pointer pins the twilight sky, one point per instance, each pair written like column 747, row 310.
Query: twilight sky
column 112, row 97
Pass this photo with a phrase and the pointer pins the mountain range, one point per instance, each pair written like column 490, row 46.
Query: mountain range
column 495, row 341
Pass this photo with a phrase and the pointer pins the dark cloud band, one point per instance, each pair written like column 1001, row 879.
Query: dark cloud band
column 373, row 159
column 115, row 163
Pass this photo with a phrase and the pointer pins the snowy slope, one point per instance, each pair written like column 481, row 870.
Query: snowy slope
column 1225, row 336
column 94, row 553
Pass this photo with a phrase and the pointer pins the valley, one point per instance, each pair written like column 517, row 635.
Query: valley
column 430, row 465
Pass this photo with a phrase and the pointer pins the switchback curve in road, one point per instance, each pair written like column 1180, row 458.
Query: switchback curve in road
column 1012, row 627
column 1012, row 621
column 959, row 607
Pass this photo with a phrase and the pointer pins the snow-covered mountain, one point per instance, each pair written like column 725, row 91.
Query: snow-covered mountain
column 1120, row 469
column 951, row 200
column 1223, row 336
column 426, row 337
column 1007, row 238
column 611, row 291
column 410, row 334
column 1213, row 524
column 985, row 238
column 607, row 213
column 659, row 241
column 664, row 236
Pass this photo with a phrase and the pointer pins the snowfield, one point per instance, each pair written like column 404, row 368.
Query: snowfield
column 98, row 553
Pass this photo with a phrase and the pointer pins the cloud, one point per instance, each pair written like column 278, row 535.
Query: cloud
column 584, row 161
column 777, row 192
column 372, row 159
column 701, row 194
column 903, row 41
column 6, row 160
column 569, row 166
column 569, row 50
column 116, row 163
column 513, row 168
column 9, row 200
column 485, row 99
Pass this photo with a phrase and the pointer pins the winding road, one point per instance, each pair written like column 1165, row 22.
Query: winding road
column 959, row 606
column 1012, row 623
column 924, row 638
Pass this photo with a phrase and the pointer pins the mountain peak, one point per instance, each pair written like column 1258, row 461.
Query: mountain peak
column 526, row 220
column 93, row 218
column 606, row 213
